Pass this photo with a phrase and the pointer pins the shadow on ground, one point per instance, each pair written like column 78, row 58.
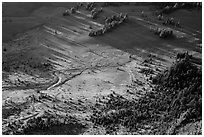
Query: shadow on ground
column 71, row 129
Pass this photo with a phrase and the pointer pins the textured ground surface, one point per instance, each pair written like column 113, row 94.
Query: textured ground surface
column 65, row 73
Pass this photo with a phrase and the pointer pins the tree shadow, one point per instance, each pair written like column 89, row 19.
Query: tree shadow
column 133, row 38
column 70, row 129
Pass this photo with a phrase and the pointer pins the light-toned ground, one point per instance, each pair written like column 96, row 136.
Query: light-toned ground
column 84, row 68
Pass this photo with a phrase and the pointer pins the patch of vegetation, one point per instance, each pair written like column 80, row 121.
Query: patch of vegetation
column 146, row 71
column 24, row 63
column 181, row 86
column 178, row 95
column 169, row 7
column 116, row 4
column 45, row 124
column 6, row 112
